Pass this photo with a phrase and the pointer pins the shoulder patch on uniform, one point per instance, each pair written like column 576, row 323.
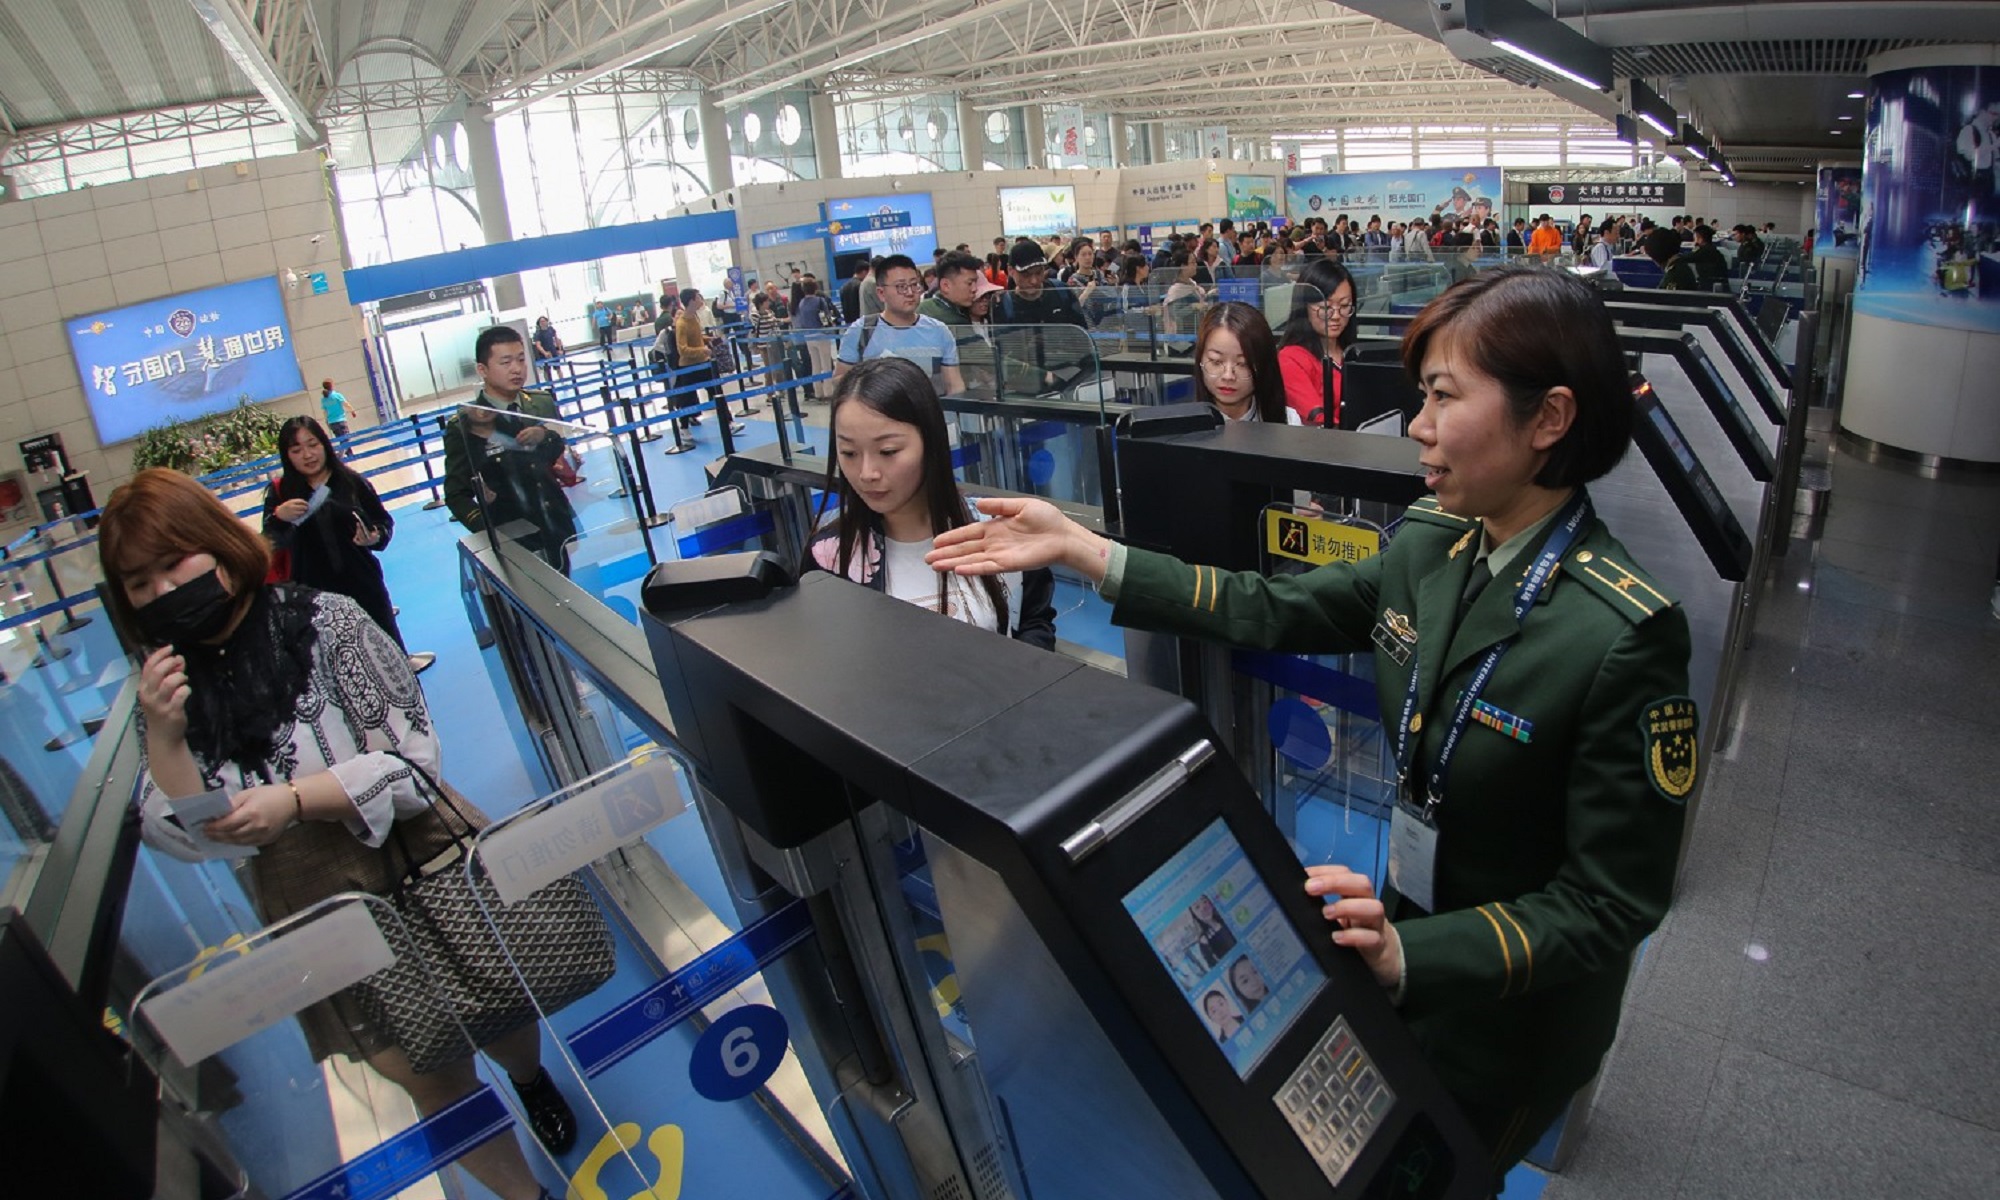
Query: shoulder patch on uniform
column 1627, row 591
column 1427, row 510
column 1670, row 729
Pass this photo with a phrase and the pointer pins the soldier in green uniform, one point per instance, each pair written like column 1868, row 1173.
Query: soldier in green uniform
column 498, row 445
column 1544, row 735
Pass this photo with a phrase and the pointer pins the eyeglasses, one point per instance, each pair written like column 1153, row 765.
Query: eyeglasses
column 909, row 287
column 1223, row 367
column 1344, row 308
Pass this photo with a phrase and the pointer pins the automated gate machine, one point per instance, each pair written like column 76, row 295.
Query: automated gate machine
column 1154, row 1001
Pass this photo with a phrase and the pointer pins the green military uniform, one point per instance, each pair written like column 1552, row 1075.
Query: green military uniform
column 532, row 496
column 458, row 494
column 1558, row 834
column 977, row 361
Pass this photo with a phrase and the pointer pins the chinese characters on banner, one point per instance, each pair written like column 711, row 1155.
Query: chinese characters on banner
column 183, row 357
column 1623, row 195
column 1471, row 192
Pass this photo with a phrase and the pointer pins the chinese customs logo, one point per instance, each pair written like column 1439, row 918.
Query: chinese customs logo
column 181, row 321
column 1670, row 728
column 1556, row 193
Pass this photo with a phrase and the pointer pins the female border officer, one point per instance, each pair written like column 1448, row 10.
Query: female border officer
column 1542, row 727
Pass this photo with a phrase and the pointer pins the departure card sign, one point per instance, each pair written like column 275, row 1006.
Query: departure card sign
column 183, row 357
column 1230, row 950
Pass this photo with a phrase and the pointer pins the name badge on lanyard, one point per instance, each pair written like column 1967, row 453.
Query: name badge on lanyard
column 1413, row 831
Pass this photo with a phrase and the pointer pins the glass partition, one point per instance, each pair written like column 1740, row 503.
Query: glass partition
column 60, row 669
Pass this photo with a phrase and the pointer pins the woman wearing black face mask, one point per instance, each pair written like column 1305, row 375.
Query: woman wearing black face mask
column 290, row 702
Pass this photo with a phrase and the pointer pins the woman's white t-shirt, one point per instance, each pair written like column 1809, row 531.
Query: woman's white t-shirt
column 909, row 578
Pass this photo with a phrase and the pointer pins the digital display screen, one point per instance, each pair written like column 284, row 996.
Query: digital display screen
column 182, row 357
column 1696, row 474
column 1228, row 947
column 1038, row 212
column 916, row 239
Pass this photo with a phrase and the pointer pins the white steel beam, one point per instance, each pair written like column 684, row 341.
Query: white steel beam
column 980, row 12
column 277, row 54
column 681, row 37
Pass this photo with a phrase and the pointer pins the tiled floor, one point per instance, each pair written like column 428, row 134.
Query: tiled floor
column 1820, row 1014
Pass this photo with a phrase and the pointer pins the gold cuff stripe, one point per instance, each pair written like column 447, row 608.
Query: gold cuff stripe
column 1526, row 949
column 1592, row 572
column 1214, row 588
column 1506, row 954
column 1197, row 588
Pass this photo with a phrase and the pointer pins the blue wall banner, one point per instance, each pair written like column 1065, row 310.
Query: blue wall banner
column 182, row 357
column 1395, row 195
column 820, row 230
column 1930, row 198
column 1837, row 231
column 526, row 254
column 1048, row 211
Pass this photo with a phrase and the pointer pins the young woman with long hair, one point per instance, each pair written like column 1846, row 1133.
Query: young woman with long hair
column 1236, row 366
column 891, row 475
column 332, row 536
column 1316, row 337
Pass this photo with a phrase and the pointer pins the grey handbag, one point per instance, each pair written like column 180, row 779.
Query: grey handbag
column 557, row 940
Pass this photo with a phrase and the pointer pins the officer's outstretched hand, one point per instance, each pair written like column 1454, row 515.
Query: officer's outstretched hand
column 1021, row 535
column 1360, row 922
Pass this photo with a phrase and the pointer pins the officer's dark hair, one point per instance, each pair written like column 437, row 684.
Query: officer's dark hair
column 1661, row 245
column 809, row 286
column 890, row 262
column 1703, row 235
column 956, row 263
column 491, row 337
column 1498, row 323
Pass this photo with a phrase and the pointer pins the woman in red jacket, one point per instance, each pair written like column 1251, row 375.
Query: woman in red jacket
column 1316, row 335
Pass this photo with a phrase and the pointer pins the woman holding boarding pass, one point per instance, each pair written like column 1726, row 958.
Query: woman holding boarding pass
column 301, row 715
column 1543, row 734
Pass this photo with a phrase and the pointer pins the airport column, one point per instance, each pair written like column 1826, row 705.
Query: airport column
column 1121, row 155
column 489, row 191
column 826, row 135
column 1929, row 284
column 715, row 145
column 1035, row 132
column 1156, row 141
column 971, row 135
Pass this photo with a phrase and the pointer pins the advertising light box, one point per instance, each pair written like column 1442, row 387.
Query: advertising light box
column 182, row 357
column 1036, row 212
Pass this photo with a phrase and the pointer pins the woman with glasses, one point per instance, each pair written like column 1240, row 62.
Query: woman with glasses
column 1236, row 366
column 1317, row 335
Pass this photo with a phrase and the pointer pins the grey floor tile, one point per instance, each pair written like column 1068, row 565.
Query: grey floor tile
column 1911, row 781
column 1901, row 659
column 1937, row 532
column 1723, row 873
column 1700, row 977
column 1774, row 1131
column 1648, row 1112
column 1964, row 602
column 1748, row 767
column 1910, row 568
column 1879, row 970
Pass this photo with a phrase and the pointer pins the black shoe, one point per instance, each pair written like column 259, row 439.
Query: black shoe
column 549, row 1114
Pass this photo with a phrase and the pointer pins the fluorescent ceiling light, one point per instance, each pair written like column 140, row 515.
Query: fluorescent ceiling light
column 1855, row 96
column 1546, row 65
column 1845, row 117
column 1519, row 28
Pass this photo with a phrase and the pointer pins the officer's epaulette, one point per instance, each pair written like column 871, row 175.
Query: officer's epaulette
column 1627, row 591
column 1428, row 511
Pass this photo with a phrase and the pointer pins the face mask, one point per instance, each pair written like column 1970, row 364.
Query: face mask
column 193, row 612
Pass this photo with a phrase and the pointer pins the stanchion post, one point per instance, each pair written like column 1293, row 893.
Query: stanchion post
column 642, row 504
column 424, row 456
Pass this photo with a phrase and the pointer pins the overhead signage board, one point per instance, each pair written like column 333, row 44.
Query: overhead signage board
column 1612, row 195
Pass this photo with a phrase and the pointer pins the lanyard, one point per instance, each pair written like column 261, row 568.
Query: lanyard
column 1569, row 522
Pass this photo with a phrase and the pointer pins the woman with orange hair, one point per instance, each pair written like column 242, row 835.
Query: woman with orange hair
column 304, row 713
